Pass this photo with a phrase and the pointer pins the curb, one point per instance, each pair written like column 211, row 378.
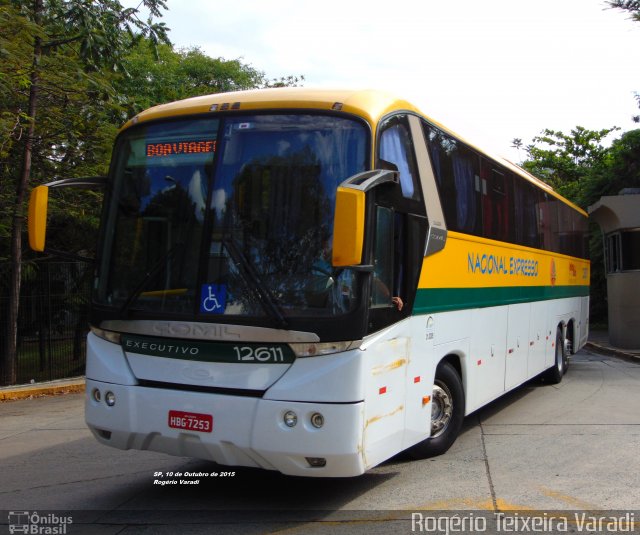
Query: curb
column 42, row 389
column 614, row 352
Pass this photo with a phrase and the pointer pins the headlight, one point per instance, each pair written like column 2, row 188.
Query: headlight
column 290, row 419
column 109, row 336
column 326, row 348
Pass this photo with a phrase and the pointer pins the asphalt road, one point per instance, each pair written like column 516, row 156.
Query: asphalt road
column 573, row 446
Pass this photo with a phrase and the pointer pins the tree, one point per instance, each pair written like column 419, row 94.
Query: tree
column 631, row 6
column 90, row 36
column 620, row 169
column 71, row 72
column 564, row 161
column 177, row 74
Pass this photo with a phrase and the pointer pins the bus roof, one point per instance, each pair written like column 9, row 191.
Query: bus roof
column 369, row 104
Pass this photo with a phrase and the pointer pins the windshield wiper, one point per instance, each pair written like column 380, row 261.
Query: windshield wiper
column 251, row 275
column 155, row 269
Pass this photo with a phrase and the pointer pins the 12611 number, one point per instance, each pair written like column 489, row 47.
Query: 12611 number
column 259, row 354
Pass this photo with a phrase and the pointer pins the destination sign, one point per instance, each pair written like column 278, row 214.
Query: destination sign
column 158, row 150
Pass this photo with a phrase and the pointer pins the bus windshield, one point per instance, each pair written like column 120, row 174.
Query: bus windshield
column 229, row 216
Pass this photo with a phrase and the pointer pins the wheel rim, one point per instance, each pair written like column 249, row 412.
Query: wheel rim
column 560, row 353
column 441, row 409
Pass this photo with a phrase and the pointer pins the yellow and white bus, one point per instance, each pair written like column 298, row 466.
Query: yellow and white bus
column 312, row 281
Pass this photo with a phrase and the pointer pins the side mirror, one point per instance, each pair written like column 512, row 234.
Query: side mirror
column 349, row 218
column 348, row 227
column 37, row 218
column 38, row 209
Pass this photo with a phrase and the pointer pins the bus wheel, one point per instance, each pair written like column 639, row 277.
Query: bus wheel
column 554, row 375
column 447, row 413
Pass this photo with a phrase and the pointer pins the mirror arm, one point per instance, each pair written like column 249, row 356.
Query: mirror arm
column 85, row 182
column 364, row 268
column 371, row 179
column 69, row 256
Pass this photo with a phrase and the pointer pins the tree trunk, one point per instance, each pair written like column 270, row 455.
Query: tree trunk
column 9, row 353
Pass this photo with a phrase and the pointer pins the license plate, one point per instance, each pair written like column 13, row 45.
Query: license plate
column 192, row 421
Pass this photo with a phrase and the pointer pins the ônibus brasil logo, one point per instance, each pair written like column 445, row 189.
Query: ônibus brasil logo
column 38, row 524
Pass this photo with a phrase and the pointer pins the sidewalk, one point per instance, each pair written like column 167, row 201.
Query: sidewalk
column 598, row 342
column 61, row 386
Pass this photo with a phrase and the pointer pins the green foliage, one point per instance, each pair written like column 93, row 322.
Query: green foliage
column 102, row 31
column 580, row 168
column 177, row 74
column 565, row 161
column 630, row 6
column 59, row 61
column 620, row 169
column 15, row 63
column 100, row 65
column 64, row 91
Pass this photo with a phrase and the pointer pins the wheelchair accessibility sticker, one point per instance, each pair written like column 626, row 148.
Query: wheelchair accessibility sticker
column 213, row 298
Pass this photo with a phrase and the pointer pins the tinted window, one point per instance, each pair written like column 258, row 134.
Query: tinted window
column 481, row 197
column 630, row 242
column 396, row 148
column 623, row 251
column 457, row 172
column 497, row 202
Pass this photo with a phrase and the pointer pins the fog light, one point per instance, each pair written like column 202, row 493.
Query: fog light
column 317, row 420
column 96, row 394
column 290, row 419
column 110, row 398
column 316, row 462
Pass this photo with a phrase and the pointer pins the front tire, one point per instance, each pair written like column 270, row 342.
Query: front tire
column 447, row 413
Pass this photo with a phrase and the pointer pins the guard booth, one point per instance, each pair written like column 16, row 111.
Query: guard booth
column 619, row 219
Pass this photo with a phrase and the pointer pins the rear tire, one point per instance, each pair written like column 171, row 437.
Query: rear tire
column 554, row 375
column 447, row 413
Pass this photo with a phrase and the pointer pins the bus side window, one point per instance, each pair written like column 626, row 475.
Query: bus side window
column 466, row 176
column 497, row 205
column 396, row 148
column 383, row 259
column 389, row 285
column 457, row 171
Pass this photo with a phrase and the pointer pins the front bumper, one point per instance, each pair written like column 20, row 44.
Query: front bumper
column 247, row 431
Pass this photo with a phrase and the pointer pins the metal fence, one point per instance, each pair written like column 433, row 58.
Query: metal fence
column 52, row 319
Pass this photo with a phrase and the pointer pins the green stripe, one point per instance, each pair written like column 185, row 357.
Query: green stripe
column 444, row 299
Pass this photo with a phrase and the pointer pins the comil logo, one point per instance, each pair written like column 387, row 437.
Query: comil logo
column 38, row 524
